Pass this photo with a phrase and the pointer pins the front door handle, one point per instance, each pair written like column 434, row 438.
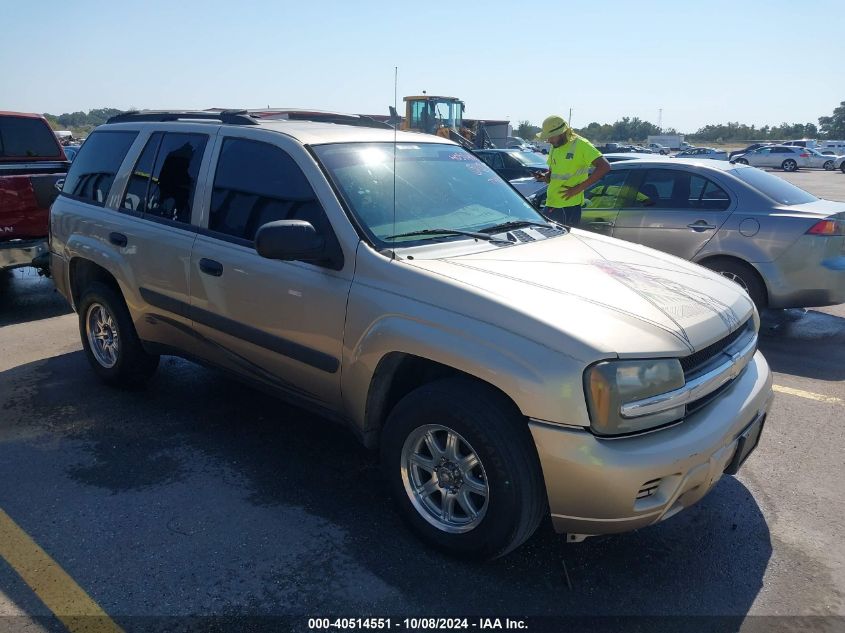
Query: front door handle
column 701, row 225
column 601, row 223
column 211, row 267
column 118, row 239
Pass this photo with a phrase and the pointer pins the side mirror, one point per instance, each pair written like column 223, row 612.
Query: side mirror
column 290, row 240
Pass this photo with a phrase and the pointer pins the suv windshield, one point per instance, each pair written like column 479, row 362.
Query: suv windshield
column 773, row 187
column 437, row 186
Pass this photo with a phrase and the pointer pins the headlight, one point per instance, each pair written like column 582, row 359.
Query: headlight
column 611, row 384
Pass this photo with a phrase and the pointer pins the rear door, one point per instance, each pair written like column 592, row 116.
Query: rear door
column 674, row 210
column 157, row 232
column 279, row 322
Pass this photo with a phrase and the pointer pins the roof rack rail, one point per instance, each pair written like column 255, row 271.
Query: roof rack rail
column 232, row 117
column 317, row 116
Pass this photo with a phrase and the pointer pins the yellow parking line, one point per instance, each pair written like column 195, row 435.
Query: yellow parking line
column 808, row 394
column 58, row 591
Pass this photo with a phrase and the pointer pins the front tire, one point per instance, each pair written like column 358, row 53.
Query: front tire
column 462, row 466
column 743, row 275
column 789, row 165
column 109, row 338
column 741, row 161
column 828, row 165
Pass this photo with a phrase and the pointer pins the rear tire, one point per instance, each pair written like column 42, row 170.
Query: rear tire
column 842, row 167
column 743, row 275
column 504, row 493
column 789, row 165
column 828, row 165
column 110, row 340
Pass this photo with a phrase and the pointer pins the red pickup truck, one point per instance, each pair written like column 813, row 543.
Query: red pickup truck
column 31, row 163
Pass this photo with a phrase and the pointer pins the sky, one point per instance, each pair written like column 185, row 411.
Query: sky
column 714, row 61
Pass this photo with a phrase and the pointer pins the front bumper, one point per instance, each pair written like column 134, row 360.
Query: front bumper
column 21, row 252
column 602, row 486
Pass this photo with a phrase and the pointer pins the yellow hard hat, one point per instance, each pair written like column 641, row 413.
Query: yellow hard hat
column 552, row 126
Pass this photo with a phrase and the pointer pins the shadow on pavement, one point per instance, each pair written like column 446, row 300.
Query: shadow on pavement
column 24, row 296
column 804, row 343
column 146, row 458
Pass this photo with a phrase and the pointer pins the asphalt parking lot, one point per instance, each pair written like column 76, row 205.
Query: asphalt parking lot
column 198, row 496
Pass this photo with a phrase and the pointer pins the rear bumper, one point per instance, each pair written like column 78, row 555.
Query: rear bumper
column 806, row 276
column 598, row 486
column 21, row 252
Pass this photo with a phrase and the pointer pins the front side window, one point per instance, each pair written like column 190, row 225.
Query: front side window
column 173, row 181
column 92, row 172
column 609, row 192
column 433, row 186
column 256, row 183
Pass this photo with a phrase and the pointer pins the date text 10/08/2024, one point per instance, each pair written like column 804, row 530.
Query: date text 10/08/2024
column 351, row 624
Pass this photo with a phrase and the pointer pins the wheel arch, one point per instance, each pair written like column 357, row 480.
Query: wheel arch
column 398, row 374
column 82, row 272
column 709, row 259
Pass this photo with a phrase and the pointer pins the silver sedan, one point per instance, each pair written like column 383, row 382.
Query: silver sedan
column 783, row 245
column 820, row 161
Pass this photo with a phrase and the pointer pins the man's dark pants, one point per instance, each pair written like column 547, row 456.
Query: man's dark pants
column 568, row 216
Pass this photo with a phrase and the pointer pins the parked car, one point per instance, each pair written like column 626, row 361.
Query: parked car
column 71, row 151
column 31, row 162
column 426, row 307
column 780, row 156
column 839, row 163
column 783, row 245
column 517, row 166
column 612, row 158
column 806, row 142
column 642, row 150
column 817, row 160
column 703, row 152
column 657, row 148
column 750, row 148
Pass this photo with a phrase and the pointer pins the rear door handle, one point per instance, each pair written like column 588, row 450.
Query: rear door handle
column 701, row 225
column 118, row 239
column 211, row 267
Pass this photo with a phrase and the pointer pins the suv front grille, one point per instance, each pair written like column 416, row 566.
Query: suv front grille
column 696, row 360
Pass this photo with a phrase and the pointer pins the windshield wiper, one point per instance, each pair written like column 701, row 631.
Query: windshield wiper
column 478, row 236
column 512, row 224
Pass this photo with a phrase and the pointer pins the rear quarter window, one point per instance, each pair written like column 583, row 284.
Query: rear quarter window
column 23, row 137
column 92, row 172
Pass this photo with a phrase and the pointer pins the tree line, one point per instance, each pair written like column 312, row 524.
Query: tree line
column 635, row 129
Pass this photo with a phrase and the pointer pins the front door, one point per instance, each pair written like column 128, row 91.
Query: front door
column 603, row 200
column 675, row 211
column 279, row 322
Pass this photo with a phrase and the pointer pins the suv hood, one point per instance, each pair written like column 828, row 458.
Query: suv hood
column 612, row 297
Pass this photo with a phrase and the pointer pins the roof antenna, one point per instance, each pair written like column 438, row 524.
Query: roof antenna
column 395, row 105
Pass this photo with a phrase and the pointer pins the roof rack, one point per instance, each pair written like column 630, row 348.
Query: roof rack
column 232, row 117
column 318, row 116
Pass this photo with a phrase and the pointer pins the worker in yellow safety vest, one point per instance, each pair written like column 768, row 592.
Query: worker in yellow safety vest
column 574, row 166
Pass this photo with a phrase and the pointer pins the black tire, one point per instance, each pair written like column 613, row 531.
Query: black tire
column 132, row 365
column 741, row 161
column 498, row 434
column 789, row 165
column 842, row 167
column 744, row 275
column 828, row 165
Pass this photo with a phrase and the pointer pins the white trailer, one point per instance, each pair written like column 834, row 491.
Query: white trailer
column 672, row 141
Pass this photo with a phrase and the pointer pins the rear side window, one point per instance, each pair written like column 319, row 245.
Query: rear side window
column 256, row 183
column 773, row 187
column 135, row 198
column 92, row 172
column 23, row 137
column 675, row 189
column 170, row 191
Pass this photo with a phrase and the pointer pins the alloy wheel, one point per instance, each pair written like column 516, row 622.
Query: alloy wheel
column 102, row 334
column 444, row 478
